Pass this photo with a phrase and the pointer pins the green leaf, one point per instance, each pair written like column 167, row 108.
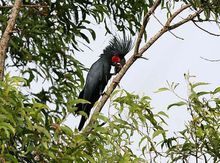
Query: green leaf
column 216, row 90
column 92, row 33
column 181, row 103
column 198, row 84
column 158, row 132
column 163, row 114
column 143, row 150
column 187, row 146
column 85, row 37
column 101, row 117
column 134, row 121
column 40, row 106
column 83, row 114
column 51, row 154
column 3, row 117
column 162, row 90
column 199, row 132
column 67, row 130
column 142, row 139
column 7, row 126
column 42, row 130
column 78, row 101
column 11, row 158
column 85, row 155
column 17, row 80
column 202, row 93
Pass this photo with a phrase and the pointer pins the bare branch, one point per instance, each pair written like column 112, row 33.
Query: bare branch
column 181, row 9
column 211, row 60
column 169, row 31
column 29, row 6
column 190, row 17
column 151, row 41
column 213, row 34
column 145, row 21
column 207, row 20
column 6, row 35
column 165, row 28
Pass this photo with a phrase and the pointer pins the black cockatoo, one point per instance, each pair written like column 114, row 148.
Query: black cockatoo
column 99, row 73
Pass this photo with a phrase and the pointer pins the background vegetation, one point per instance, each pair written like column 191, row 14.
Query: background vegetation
column 42, row 46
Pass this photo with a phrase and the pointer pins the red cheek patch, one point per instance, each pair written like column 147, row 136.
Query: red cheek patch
column 116, row 59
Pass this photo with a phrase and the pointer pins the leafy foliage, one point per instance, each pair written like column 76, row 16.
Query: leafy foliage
column 43, row 46
column 31, row 131
column 211, row 7
column 135, row 114
column 200, row 139
column 46, row 38
column 28, row 128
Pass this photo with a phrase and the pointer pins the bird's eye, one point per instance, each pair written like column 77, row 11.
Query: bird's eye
column 116, row 59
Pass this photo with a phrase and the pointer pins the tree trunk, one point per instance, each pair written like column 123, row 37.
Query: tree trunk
column 6, row 35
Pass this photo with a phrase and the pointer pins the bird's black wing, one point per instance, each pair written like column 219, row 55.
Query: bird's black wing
column 95, row 83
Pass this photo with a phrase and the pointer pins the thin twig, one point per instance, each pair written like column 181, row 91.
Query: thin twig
column 190, row 17
column 206, row 20
column 213, row 34
column 211, row 60
column 167, row 27
column 192, row 113
column 169, row 31
column 29, row 6
column 145, row 21
column 173, row 16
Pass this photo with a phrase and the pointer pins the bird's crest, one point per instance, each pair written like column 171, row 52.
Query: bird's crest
column 118, row 46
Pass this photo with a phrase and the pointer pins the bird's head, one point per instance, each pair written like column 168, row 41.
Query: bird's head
column 118, row 47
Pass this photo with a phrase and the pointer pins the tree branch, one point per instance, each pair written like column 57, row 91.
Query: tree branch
column 206, row 20
column 213, row 34
column 6, row 35
column 29, row 6
column 173, row 16
column 165, row 28
column 210, row 60
column 169, row 31
column 190, row 17
column 145, row 21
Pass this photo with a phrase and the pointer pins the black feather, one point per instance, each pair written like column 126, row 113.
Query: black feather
column 99, row 74
column 119, row 46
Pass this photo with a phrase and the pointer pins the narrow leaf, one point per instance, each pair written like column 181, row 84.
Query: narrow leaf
column 177, row 104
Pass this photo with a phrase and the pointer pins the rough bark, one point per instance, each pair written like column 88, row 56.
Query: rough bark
column 7, row 34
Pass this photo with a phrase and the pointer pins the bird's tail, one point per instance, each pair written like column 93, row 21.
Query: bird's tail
column 82, row 122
